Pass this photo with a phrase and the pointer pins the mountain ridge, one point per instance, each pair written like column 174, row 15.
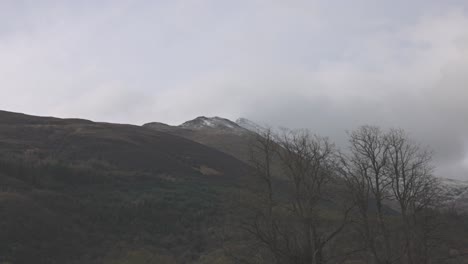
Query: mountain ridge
column 216, row 132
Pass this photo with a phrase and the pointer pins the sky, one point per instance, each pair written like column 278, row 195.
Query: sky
column 326, row 65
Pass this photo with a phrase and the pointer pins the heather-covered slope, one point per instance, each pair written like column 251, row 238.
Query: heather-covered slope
column 75, row 191
column 121, row 147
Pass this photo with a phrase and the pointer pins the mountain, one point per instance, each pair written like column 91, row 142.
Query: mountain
column 216, row 132
column 121, row 146
column 77, row 191
column 455, row 193
column 213, row 123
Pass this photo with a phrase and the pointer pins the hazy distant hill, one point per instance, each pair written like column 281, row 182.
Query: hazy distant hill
column 216, row 132
column 455, row 193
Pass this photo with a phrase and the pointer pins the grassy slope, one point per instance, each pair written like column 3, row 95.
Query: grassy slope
column 74, row 191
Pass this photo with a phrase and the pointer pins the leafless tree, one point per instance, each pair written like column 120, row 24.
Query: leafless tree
column 415, row 190
column 392, row 203
column 369, row 184
column 384, row 168
column 288, row 215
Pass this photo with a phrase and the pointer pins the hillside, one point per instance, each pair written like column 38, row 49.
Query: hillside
column 76, row 191
column 216, row 132
column 123, row 147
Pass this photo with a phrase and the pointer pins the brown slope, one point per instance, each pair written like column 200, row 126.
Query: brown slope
column 225, row 136
column 234, row 142
column 137, row 187
column 124, row 147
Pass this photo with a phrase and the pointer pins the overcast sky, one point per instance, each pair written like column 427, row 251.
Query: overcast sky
column 325, row 65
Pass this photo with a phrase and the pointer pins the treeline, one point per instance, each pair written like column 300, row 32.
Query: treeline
column 376, row 202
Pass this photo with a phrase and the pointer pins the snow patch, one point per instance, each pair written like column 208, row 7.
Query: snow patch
column 455, row 192
column 219, row 123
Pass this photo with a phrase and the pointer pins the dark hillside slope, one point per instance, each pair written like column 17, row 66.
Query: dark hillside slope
column 19, row 118
column 123, row 147
column 76, row 191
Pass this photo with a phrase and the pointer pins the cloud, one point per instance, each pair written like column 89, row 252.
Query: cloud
column 326, row 65
column 414, row 77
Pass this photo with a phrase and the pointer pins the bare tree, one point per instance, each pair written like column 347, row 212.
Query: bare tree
column 288, row 217
column 415, row 189
column 369, row 184
column 384, row 168
column 392, row 203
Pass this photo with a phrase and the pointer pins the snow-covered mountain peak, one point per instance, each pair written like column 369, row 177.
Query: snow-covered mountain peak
column 203, row 122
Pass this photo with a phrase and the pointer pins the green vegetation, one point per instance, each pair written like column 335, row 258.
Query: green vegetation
column 63, row 219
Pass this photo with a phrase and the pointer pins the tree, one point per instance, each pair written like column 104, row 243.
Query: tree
column 391, row 209
column 287, row 218
column 369, row 183
column 385, row 168
column 415, row 190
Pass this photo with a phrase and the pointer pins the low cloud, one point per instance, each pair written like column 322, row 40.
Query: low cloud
column 326, row 65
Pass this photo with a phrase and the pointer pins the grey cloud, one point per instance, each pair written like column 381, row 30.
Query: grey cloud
column 326, row 65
